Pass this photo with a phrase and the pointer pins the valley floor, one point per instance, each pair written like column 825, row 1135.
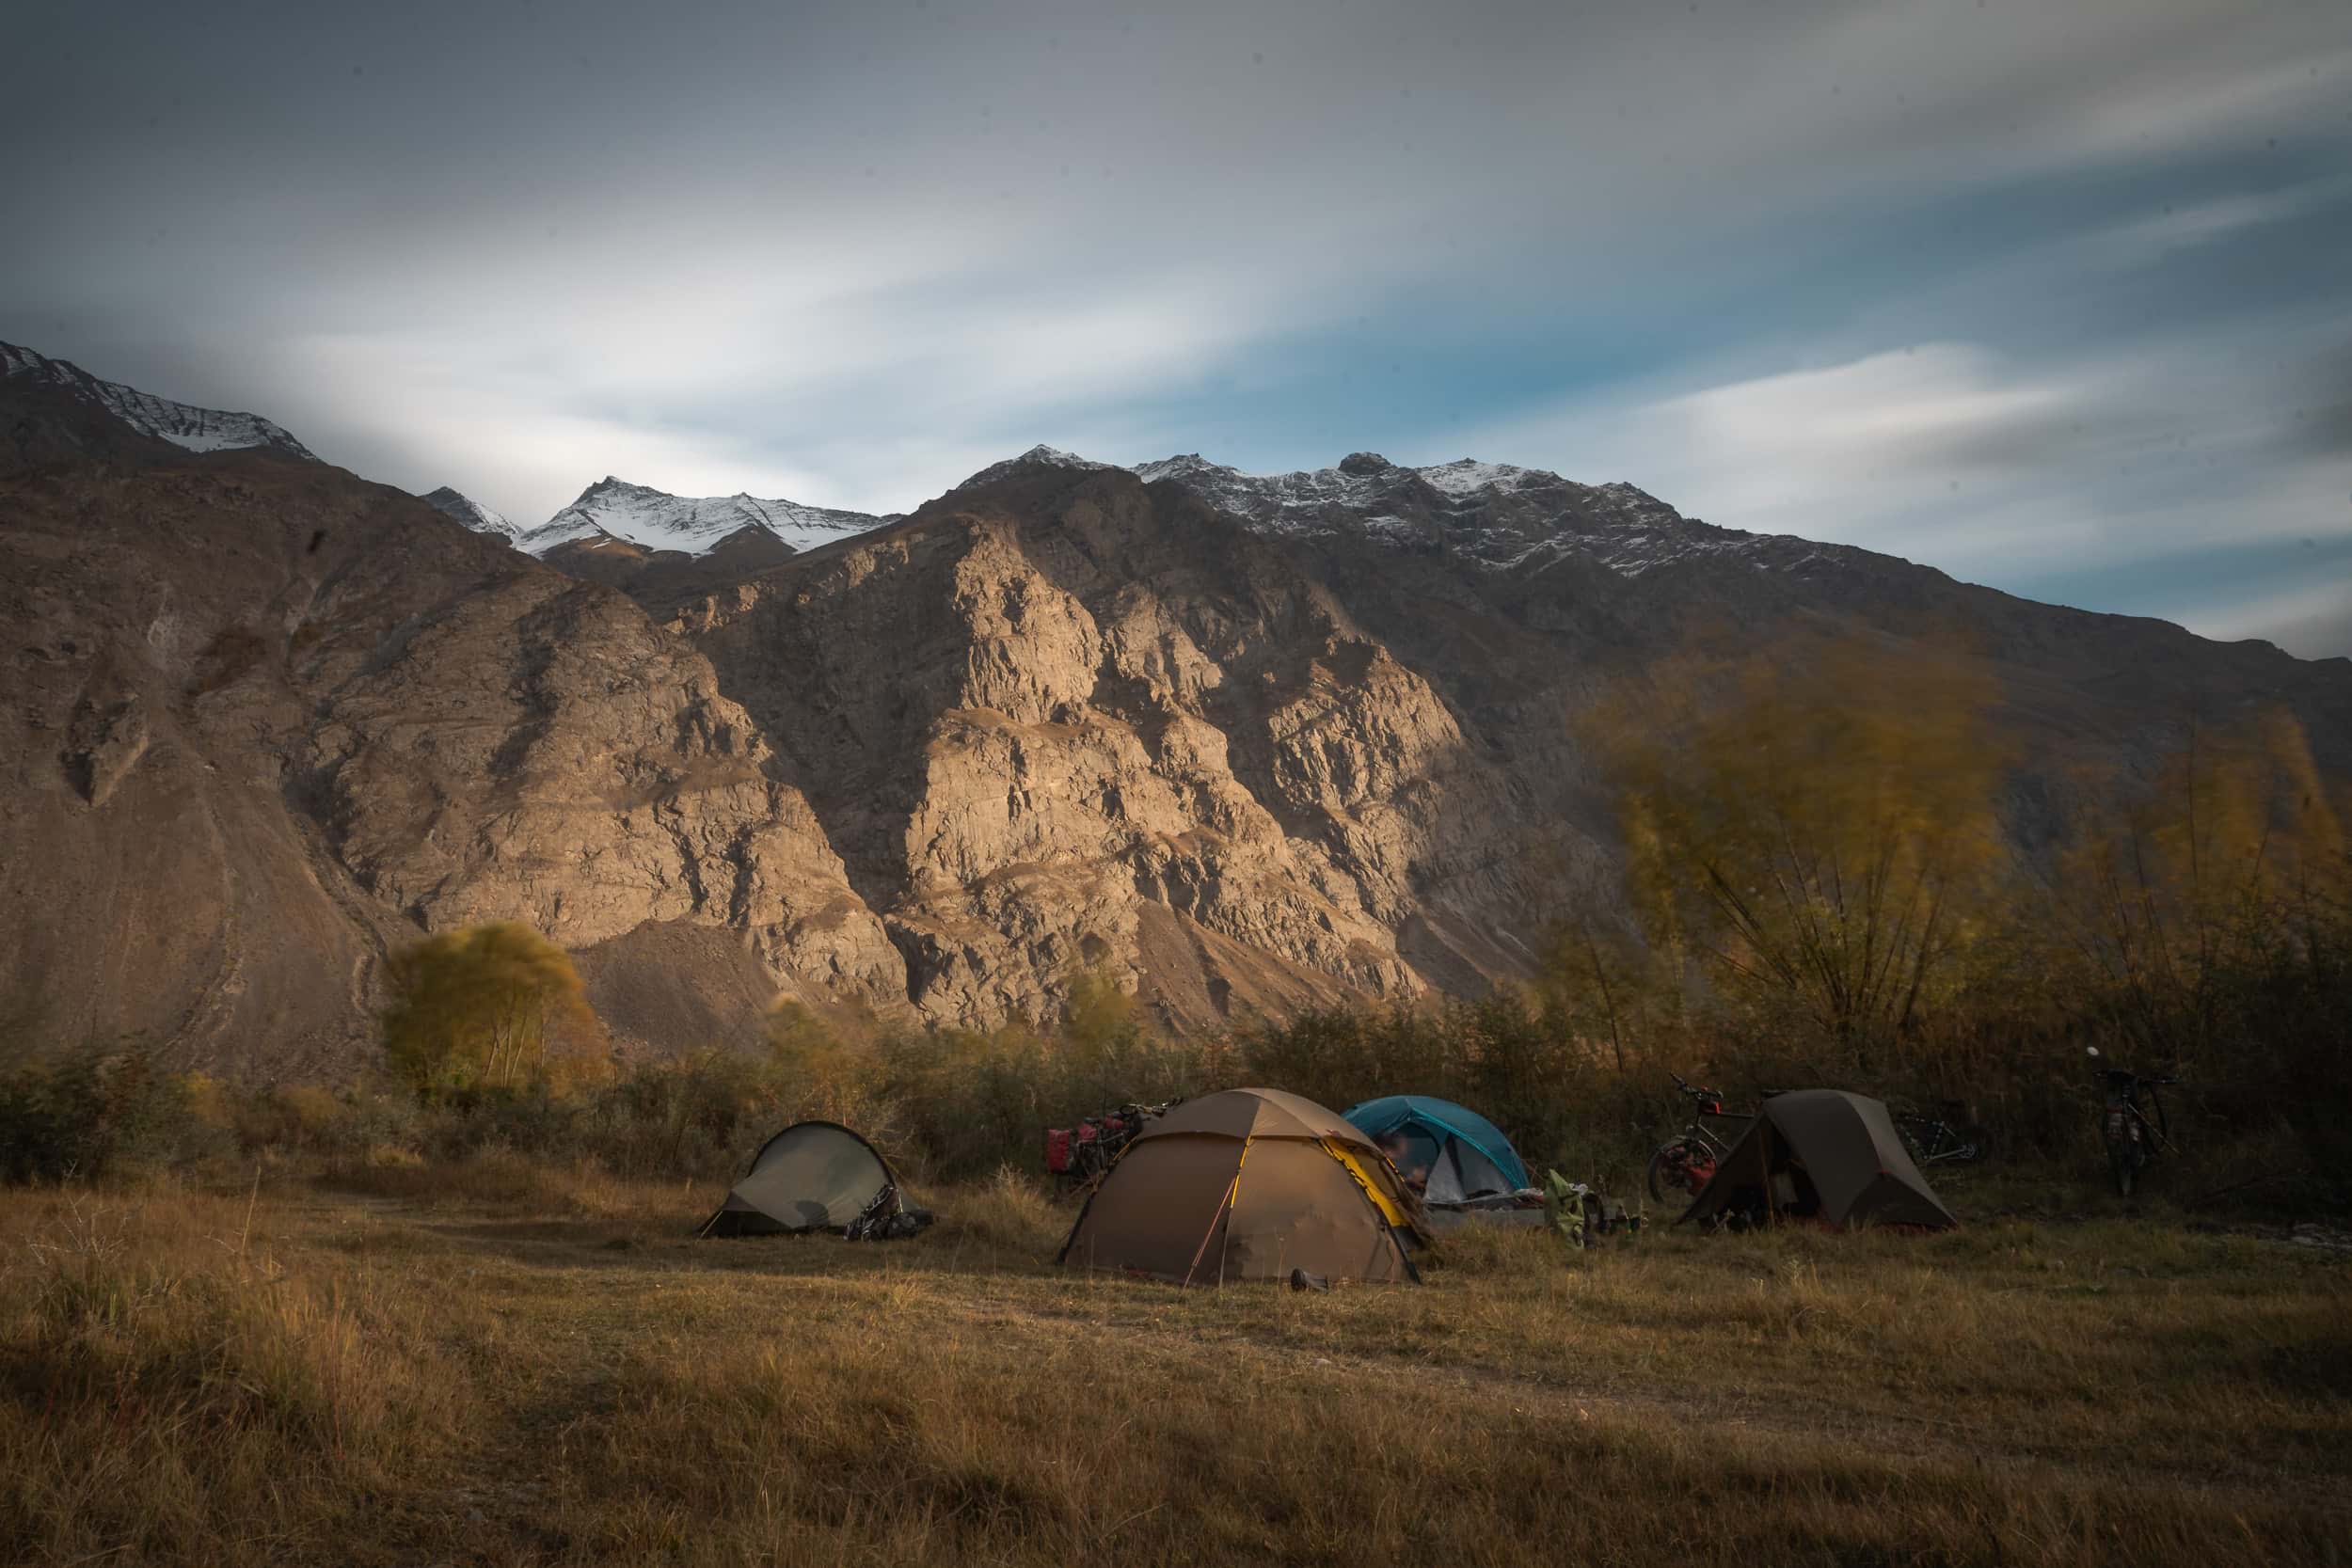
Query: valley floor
column 502, row 1363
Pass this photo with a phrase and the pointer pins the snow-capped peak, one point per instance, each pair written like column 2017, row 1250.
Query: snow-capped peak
column 1039, row 456
column 1056, row 457
column 613, row 509
column 183, row 424
column 463, row 508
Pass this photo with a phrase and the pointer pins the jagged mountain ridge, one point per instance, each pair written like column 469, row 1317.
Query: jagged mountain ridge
column 615, row 512
column 271, row 720
column 183, row 424
column 1494, row 514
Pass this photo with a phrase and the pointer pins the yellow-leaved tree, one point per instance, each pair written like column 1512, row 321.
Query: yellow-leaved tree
column 1815, row 825
column 2230, row 866
column 496, row 1007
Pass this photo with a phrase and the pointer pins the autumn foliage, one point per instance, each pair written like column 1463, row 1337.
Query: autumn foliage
column 1842, row 872
column 1821, row 834
column 489, row 1009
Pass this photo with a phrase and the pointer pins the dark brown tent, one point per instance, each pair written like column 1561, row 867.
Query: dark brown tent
column 1246, row 1185
column 1821, row 1155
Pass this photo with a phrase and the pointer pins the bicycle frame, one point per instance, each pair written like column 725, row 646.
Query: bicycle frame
column 1715, row 1144
column 1691, row 1156
column 2123, row 1117
column 1936, row 1142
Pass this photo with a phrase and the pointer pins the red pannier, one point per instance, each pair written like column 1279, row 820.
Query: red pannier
column 1056, row 1150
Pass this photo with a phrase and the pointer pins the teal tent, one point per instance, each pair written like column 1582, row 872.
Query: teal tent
column 1459, row 1154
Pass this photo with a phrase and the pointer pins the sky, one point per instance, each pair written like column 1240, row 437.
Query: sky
column 2056, row 295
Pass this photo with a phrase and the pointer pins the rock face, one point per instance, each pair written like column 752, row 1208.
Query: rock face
column 1250, row 744
column 1116, row 727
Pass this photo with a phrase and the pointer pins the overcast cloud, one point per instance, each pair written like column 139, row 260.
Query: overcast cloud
column 2053, row 295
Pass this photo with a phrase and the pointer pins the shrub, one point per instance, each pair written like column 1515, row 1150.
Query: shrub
column 82, row 1114
column 295, row 1118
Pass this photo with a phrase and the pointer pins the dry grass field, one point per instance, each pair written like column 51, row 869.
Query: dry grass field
column 500, row 1363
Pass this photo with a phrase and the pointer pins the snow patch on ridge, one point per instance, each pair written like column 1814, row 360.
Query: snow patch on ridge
column 614, row 510
column 1495, row 516
column 465, row 509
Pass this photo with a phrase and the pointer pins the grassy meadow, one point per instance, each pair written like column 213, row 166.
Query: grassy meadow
column 499, row 1360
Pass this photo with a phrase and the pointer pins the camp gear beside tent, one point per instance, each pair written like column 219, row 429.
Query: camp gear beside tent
column 1821, row 1154
column 887, row 1217
column 1452, row 1154
column 817, row 1176
column 1077, row 1156
column 1581, row 1215
column 1247, row 1184
column 1522, row 1209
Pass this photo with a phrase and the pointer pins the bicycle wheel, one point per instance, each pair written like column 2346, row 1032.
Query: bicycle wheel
column 2122, row 1164
column 1678, row 1171
column 1665, row 1174
column 1973, row 1145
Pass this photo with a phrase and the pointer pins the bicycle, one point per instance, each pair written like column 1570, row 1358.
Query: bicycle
column 1078, row 1158
column 2131, row 1137
column 1687, row 1161
column 1935, row 1142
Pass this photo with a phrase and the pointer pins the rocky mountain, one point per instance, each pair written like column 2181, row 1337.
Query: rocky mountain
column 460, row 507
column 267, row 720
column 611, row 513
column 181, row 424
column 1117, row 727
column 1248, row 743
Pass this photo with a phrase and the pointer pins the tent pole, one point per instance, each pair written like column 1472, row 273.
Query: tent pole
column 1231, row 1189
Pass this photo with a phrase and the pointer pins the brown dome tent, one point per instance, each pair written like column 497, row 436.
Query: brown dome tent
column 1246, row 1185
column 1821, row 1155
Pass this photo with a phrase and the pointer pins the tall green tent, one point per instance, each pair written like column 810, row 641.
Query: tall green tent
column 1824, row 1155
